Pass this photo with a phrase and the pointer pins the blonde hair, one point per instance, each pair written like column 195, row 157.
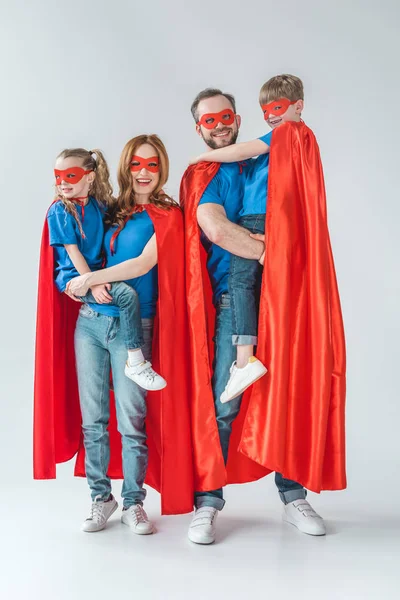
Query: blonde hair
column 126, row 199
column 100, row 189
column 282, row 86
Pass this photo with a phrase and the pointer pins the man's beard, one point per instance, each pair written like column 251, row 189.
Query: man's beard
column 213, row 143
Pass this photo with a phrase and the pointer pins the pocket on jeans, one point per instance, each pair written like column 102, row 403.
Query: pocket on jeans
column 86, row 312
column 225, row 301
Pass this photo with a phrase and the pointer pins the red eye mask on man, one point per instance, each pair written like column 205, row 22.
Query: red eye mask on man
column 211, row 120
column 276, row 108
column 151, row 164
column 72, row 175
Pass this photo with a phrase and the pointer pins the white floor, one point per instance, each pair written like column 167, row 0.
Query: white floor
column 44, row 555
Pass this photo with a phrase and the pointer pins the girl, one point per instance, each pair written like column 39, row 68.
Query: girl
column 76, row 230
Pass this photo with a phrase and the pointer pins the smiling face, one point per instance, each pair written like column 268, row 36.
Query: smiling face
column 145, row 171
column 216, row 122
column 72, row 180
column 281, row 111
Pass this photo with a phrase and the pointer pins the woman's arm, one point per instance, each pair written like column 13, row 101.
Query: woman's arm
column 234, row 152
column 129, row 269
column 100, row 293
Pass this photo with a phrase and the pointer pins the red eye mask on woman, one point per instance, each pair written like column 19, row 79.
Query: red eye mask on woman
column 72, row 175
column 211, row 120
column 151, row 164
column 276, row 108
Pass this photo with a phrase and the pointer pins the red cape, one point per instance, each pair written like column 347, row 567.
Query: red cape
column 291, row 420
column 57, row 417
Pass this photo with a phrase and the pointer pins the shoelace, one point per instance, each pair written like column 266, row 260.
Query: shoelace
column 139, row 514
column 96, row 511
column 150, row 374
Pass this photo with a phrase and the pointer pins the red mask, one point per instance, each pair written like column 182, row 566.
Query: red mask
column 72, row 175
column 211, row 120
column 151, row 164
column 276, row 108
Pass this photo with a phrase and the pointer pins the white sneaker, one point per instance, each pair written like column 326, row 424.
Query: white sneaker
column 136, row 518
column 241, row 379
column 301, row 514
column 145, row 376
column 202, row 529
column 99, row 514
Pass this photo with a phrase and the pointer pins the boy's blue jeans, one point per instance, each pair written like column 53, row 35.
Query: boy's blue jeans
column 244, row 288
column 225, row 354
column 99, row 346
column 127, row 300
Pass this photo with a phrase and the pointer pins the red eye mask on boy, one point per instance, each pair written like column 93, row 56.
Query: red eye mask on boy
column 211, row 120
column 151, row 164
column 276, row 108
column 72, row 175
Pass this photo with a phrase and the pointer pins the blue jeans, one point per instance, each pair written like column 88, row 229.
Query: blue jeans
column 245, row 287
column 225, row 354
column 99, row 346
column 127, row 300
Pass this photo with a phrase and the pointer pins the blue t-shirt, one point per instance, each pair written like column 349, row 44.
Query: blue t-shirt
column 256, row 188
column 130, row 244
column 225, row 189
column 63, row 229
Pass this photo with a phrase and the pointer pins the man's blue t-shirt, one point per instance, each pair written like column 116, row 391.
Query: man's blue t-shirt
column 225, row 189
column 256, row 187
column 63, row 229
column 130, row 244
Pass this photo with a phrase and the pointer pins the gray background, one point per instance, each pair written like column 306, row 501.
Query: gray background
column 96, row 73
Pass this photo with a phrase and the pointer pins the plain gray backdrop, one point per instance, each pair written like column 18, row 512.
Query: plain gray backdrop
column 96, row 73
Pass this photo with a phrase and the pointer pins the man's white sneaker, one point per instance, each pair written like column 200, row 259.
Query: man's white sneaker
column 241, row 379
column 202, row 529
column 136, row 518
column 301, row 514
column 145, row 376
column 99, row 514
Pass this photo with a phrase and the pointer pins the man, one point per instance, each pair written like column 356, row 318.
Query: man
column 211, row 196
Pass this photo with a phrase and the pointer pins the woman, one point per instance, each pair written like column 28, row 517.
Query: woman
column 144, row 247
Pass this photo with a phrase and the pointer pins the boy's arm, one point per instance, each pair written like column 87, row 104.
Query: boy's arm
column 229, row 236
column 100, row 293
column 129, row 269
column 234, row 152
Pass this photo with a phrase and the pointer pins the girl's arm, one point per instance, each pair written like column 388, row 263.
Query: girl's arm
column 129, row 269
column 100, row 293
column 234, row 152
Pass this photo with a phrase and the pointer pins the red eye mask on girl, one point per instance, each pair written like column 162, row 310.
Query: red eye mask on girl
column 72, row 175
column 151, row 164
column 211, row 120
column 276, row 108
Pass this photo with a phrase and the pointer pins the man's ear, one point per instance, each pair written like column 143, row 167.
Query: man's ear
column 238, row 120
column 198, row 129
column 299, row 107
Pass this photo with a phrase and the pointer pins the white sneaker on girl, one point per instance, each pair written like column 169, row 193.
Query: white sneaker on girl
column 145, row 376
column 243, row 378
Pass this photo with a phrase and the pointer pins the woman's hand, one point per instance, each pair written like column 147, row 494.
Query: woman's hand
column 78, row 286
column 100, row 293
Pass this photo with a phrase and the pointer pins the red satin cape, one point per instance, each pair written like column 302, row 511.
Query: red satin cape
column 291, row 420
column 57, row 417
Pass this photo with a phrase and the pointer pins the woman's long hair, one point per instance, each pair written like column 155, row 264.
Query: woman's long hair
column 100, row 189
column 126, row 199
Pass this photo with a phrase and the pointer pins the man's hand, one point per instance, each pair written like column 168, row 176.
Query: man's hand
column 100, row 293
column 261, row 238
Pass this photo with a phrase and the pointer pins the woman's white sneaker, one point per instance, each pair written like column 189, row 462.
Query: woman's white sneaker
column 136, row 518
column 301, row 514
column 241, row 379
column 202, row 529
column 145, row 376
column 99, row 514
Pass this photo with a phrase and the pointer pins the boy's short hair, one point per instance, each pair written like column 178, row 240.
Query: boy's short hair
column 282, row 86
column 210, row 93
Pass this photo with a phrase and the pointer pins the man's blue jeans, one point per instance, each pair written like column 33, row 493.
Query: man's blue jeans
column 127, row 300
column 226, row 413
column 98, row 347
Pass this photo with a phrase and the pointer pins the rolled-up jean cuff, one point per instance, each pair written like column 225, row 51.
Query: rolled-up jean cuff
column 293, row 495
column 213, row 501
column 244, row 340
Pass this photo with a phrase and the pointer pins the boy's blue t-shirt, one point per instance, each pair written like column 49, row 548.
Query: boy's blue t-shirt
column 130, row 244
column 256, row 187
column 225, row 189
column 63, row 229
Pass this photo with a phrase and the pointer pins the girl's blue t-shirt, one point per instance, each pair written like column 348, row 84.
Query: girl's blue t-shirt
column 63, row 229
column 130, row 244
